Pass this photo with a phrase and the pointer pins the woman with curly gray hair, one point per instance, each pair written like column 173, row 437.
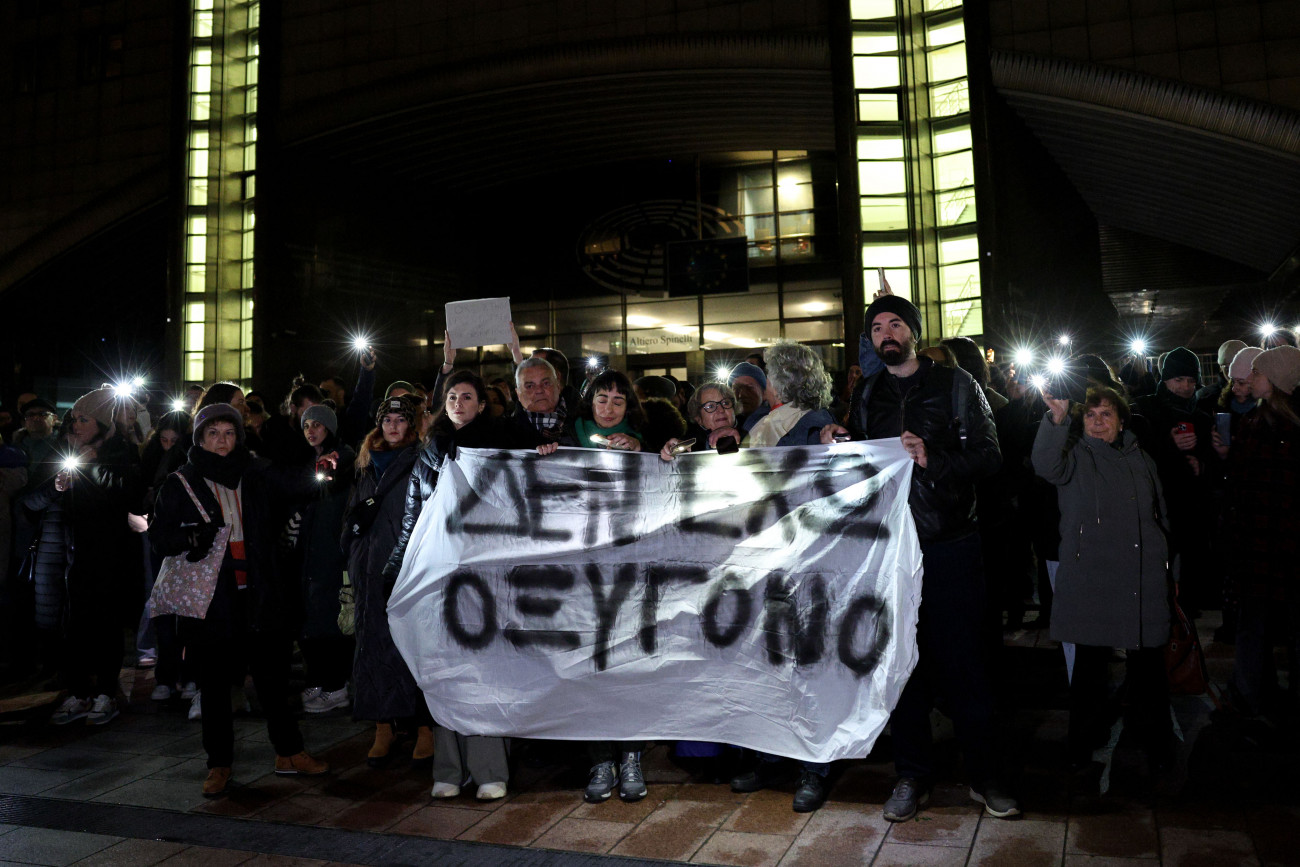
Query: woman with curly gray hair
column 798, row 390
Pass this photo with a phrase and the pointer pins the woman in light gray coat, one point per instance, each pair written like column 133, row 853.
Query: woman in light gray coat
column 1112, row 588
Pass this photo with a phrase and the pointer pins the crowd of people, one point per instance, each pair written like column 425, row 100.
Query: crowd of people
column 1096, row 498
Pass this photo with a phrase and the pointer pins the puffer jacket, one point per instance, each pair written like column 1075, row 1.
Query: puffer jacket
column 960, row 450
column 1112, row 587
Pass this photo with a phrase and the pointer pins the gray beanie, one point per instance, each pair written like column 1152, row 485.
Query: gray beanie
column 324, row 415
column 751, row 370
column 218, row 412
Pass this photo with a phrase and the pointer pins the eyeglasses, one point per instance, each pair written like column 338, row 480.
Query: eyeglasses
column 428, row 412
column 712, row 406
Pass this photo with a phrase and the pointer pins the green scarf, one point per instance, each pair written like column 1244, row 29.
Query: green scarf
column 583, row 428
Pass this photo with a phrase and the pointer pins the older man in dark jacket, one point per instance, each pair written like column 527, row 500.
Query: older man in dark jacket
column 944, row 422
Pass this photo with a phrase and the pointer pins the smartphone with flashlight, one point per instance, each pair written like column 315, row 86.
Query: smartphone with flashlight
column 323, row 469
column 682, row 447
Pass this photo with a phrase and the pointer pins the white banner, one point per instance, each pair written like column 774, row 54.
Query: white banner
column 766, row 599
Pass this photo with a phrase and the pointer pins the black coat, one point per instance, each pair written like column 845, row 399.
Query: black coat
column 100, row 555
column 272, row 597
column 382, row 683
column 962, row 447
column 317, row 551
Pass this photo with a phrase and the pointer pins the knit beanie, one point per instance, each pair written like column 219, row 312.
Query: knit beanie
column 218, row 412
column 401, row 383
column 1229, row 350
column 324, row 415
column 900, row 307
column 1180, row 362
column 1281, row 365
column 99, row 404
column 404, row 405
column 1242, row 362
column 747, row 369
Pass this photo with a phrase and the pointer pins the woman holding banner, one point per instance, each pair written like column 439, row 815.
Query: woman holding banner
column 712, row 411
column 461, row 422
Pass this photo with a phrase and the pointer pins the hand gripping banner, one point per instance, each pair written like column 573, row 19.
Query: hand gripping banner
column 765, row 599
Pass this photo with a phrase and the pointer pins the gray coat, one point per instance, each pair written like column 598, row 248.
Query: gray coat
column 1112, row 586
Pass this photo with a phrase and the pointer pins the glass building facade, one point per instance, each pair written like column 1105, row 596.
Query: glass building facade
column 915, row 160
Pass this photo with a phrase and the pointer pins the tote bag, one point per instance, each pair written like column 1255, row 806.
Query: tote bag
column 186, row 588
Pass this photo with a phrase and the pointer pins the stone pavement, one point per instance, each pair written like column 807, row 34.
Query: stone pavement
column 129, row 793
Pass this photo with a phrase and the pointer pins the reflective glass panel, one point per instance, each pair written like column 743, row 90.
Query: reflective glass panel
column 877, row 106
column 194, row 366
column 959, row 282
column 954, row 170
column 883, row 214
column 202, row 25
column 949, row 99
column 950, row 139
column 949, row 62
column 866, row 10
column 886, row 254
column 199, row 163
column 881, row 177
column 885, row 144
column 945, row 33
column 963, row 318
column 899, row 280
column 956, row 206
column 875, row 72
column 194, row 337
column 958, row 249
column 874, row 43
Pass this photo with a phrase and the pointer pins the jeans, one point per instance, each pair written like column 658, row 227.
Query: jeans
column 950, row 662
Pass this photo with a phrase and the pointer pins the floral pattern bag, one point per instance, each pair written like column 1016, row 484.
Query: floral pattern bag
column 186, row 588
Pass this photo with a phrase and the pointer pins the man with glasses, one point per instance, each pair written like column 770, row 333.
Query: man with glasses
column 38, row 437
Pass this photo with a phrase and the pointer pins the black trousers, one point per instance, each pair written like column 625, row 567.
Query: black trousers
column 950, row 663
column 1093, row 711
column 223, row 649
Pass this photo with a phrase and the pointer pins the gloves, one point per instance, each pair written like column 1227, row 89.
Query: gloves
column 201, row 539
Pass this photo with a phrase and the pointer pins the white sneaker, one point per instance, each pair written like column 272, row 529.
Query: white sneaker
column 190, row 690
column 161, row 692
column 491, row 791
column 310, row 694
column 196, row 708
column 327, row 701
column 104, row 710
column 73, row 708
column 445, row 790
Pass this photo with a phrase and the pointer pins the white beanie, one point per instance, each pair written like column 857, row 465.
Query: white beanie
column 1281, row 365
column 1242, row 362
column 1229, row 350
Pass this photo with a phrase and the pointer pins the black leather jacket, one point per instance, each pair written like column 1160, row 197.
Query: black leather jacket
column 960, row 450
column 482, row 432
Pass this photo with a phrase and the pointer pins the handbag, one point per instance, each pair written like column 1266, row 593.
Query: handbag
column 184, row 587
column 1184, row 659
column 347, row 606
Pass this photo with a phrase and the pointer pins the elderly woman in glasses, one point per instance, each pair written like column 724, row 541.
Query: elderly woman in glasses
column 712, row 411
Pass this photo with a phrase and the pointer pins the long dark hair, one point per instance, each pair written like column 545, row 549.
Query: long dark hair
column 441, row 424
column 613, row 380
column 218, row 392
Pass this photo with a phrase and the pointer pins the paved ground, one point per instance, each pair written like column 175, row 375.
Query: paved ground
column 129, row 793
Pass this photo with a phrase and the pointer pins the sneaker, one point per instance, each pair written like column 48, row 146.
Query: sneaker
column 196, row 707
column 604, row 777
column 765, row 774
column 997, row 802
column 215, row 784
column 908, row 797
column 811, row 793
column 445, row 790
column 103, row 711
column 310, row 694
column 299, row 764
column 146, row 660
column 161, row 692
column 190, row 690
column 491, row 791
column 327, row 700
column 72, row 709
column 631, row 784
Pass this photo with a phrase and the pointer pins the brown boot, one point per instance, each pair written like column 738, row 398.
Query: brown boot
column 215, row 784
column 300, row 764
column 423, row 752
column 379, row 751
